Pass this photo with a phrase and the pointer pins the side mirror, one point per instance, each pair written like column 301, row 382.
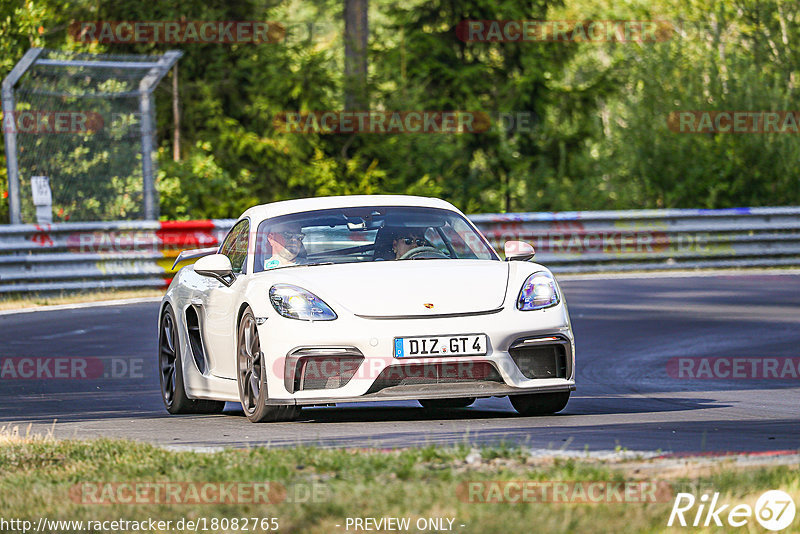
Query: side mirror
column 216, row 266
column 518, row 251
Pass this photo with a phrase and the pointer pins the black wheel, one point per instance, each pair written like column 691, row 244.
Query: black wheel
column 437, row 404
column 173, row 392
column 540, row 403
column 252, row 377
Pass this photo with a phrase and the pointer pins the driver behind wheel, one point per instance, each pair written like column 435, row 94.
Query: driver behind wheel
column 408, row 241
column 286, row 246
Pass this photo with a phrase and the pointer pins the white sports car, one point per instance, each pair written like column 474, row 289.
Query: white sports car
column 362, row 298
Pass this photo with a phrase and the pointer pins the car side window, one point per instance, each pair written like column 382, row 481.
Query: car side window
column 235, row 245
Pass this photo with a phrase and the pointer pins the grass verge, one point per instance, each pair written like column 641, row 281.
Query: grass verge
column 315, row 490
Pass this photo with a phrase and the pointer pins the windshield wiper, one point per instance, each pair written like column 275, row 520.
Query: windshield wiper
column 313, row 264
column 302, row 265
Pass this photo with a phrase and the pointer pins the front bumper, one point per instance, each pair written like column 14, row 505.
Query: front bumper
column 373, row 340
column 430, row 391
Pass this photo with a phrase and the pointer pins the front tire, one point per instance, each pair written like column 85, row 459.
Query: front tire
column 251, row 373
column 540, row 403
column 173, row 392
column 439, row 404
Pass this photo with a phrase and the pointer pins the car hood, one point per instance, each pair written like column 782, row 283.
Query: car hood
column 402, row 288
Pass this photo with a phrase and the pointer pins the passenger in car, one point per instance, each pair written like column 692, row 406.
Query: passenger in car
column 286, row 244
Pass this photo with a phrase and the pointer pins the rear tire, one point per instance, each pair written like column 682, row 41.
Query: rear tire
column 540, row 403
column 251, row 375
column 439, row 404
column 173, row 392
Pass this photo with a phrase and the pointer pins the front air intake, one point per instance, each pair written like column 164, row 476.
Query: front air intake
column 315, row 368
column 195, row 339
column 542, row 357
column 435, row 373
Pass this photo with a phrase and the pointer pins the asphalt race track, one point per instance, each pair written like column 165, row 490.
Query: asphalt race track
column 627, row 329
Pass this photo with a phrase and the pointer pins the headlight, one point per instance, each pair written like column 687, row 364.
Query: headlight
column 539, row 291
column 297, row 303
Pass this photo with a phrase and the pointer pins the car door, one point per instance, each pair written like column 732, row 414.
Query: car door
column 220, row 304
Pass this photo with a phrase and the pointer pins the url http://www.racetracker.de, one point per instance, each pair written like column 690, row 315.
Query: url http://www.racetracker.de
column 199, row 524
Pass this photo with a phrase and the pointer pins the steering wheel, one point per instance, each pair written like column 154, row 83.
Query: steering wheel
column 420, row 250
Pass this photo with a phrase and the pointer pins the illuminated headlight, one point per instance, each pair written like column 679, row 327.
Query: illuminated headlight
column 297, row 303
column 539, row 291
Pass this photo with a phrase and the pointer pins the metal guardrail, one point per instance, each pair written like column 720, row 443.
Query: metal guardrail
column 88, row 256
column 593, row 241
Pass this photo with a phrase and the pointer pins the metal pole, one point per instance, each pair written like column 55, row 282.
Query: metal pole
column 149, row 186
column 176, row 116
column 10, row 137
column 98, row 64
column 146, row 86
column 10, row 133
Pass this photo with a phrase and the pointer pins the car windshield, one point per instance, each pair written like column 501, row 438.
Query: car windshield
column 350, row 235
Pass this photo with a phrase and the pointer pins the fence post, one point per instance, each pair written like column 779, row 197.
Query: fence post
column 10, row 133
column 148, row 179
column 146, row 87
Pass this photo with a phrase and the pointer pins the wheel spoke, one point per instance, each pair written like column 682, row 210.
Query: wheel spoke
column 169, row 385
column 246, row 394
column 254, row 345
column 166, row 349
column 248, row 337
column 169, row 334
column 254, row 388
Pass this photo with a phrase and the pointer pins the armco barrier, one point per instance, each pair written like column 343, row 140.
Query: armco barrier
column 653, row 239
column 85, row 256
column 81, row 256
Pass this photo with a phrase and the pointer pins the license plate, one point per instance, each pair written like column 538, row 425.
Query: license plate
column 463, row 345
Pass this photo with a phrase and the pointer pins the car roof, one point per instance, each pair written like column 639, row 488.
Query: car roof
column 286, row 207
